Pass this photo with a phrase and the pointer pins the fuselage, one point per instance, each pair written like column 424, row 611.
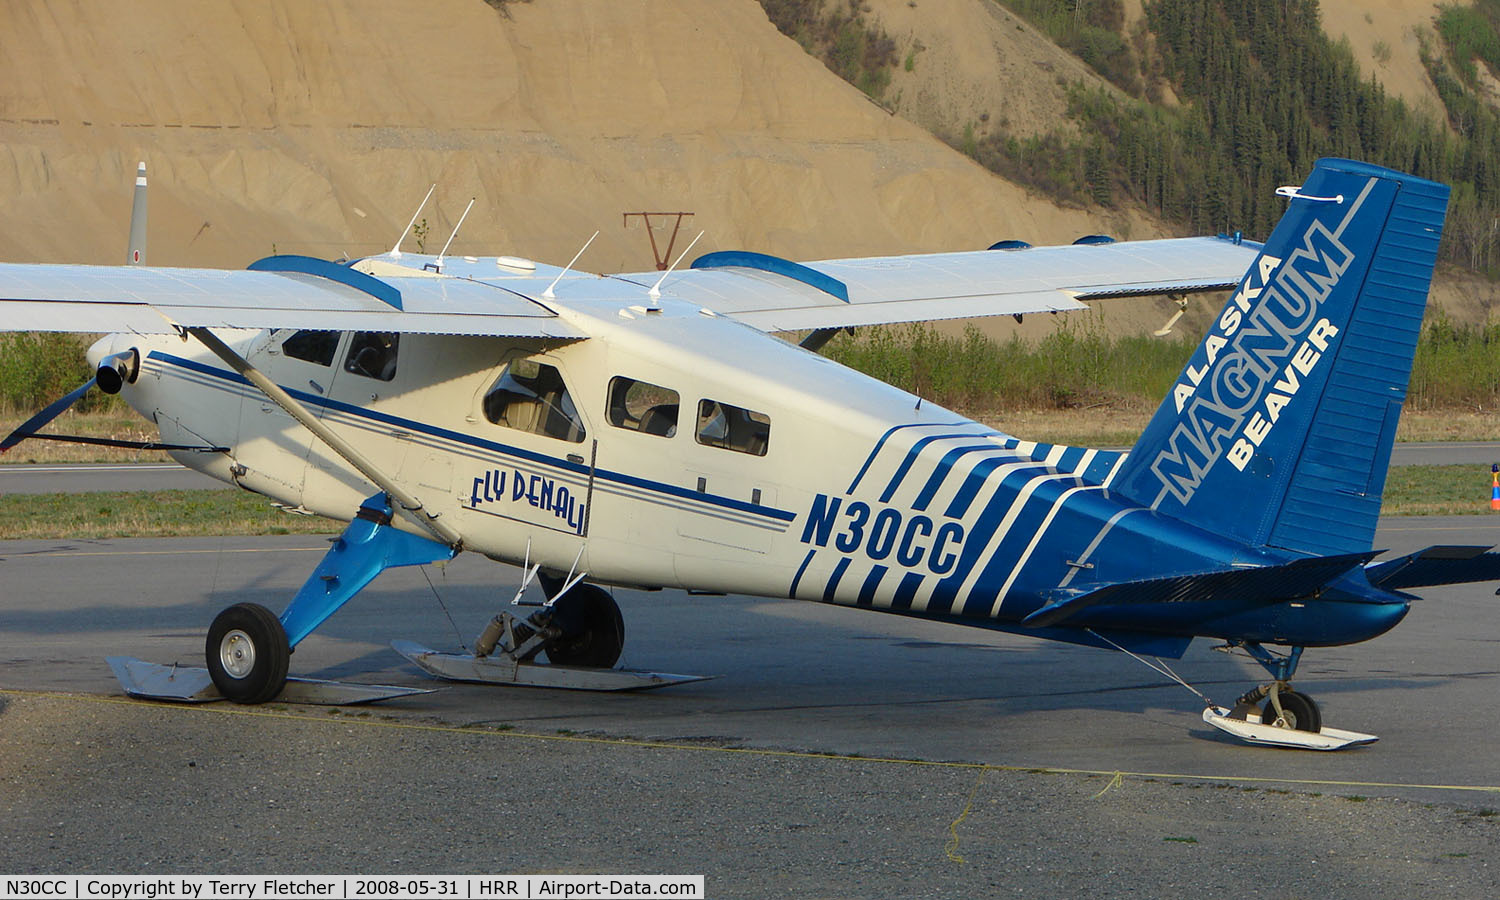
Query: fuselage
column 679, row 448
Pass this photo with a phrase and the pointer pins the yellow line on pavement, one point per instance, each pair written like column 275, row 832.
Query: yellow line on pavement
column 488, row 732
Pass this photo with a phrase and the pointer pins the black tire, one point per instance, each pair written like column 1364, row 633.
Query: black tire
column 247, row 653
column 1300, row 711
column 593, row 631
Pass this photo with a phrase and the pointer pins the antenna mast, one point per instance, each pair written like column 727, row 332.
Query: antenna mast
column 548, row 292
column 655, row 292
column 460, row 224
column 396, row 250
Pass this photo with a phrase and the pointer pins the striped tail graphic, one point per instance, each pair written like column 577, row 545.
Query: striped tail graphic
column 1278, row 432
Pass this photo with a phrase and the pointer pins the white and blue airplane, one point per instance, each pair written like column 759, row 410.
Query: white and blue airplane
column 650, row 431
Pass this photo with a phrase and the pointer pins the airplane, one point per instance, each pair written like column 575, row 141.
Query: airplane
column 652, row 431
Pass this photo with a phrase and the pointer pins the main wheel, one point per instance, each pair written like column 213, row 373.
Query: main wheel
column 247, row 653
column 1299, row 712
column 593, row 631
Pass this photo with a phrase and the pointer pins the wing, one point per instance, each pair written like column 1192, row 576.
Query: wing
column 278, row 292
column 774, row 294
column 766, row 292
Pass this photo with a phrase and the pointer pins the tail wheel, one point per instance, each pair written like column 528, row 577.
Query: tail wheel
column 593, row 631
column 247, row 653
column 1299, row 712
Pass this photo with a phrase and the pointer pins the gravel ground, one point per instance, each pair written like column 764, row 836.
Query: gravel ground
column 94, row 785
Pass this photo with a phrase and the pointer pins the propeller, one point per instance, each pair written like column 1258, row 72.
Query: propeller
column 113, row 373
column 37, row 422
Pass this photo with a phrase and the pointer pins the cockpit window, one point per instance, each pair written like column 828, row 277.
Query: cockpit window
column 312, row 346
column 733, row 428
column 531, row 396
column 373, row 355
column 641, row 406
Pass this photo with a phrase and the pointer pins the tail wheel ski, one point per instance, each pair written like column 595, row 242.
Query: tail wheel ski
column 1288, row 719
column 592, row 629
column 247, row 653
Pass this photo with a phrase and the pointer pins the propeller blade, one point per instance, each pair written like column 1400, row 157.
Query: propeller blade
column 35, row 423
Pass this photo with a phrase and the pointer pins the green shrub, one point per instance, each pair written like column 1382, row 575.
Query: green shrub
column 39, row 367
column 1076, row 365
column 1080, row 365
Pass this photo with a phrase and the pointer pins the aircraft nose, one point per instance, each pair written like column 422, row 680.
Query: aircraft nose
column 100, row 349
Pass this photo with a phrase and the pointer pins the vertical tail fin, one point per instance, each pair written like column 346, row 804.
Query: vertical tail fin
column 1279, row 430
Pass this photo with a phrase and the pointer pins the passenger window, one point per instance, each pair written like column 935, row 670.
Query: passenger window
column 641, row 406
column 312, row 346
column 373, row 355
column 530, row 396
column 733, row 428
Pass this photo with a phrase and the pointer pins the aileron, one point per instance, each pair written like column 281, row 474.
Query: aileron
column 776, row 295
column 156, row 300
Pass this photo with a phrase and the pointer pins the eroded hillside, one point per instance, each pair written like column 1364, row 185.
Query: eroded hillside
column 317, row 127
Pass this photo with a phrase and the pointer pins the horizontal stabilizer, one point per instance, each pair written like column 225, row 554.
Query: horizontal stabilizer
column 1436, row 565
column 1262, row 584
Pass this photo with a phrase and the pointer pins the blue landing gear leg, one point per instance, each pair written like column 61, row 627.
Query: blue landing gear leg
column 248, row 647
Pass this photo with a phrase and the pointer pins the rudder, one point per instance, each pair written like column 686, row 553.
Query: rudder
column 1279, row 429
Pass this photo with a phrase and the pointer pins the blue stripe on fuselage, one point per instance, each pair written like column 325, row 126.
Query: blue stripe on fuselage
column 944, row 467
column 978, row 538
column 492, row 446
column 916, row 451
column 1007, row 554
column 880, row 444
column 871, row 585
column 907, row 590
column 830, row 591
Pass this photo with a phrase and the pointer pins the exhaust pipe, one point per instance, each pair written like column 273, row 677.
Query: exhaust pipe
column 117, row 370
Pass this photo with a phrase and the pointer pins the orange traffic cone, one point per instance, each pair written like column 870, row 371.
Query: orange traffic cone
column 1495, row 486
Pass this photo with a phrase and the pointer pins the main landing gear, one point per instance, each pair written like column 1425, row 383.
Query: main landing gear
column 248, row 649
column 580, row 629
column 247, row 653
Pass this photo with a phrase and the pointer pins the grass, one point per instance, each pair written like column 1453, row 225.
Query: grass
column 1437, row 491
column 112, row 514
column 121, row 424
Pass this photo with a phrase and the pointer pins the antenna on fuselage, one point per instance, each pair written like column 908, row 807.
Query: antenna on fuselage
column 454, row 234
column 136, row 252
column 548, row 292
column 655, row 292
column 396, row 250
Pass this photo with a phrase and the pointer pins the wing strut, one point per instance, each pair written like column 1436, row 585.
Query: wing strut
column 409, row 503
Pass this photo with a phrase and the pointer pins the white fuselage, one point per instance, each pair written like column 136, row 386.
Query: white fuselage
column 645, row 509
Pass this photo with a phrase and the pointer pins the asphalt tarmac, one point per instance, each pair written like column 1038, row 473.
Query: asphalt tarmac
column 42, row 478
column 732, row 781
column 794, row 674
